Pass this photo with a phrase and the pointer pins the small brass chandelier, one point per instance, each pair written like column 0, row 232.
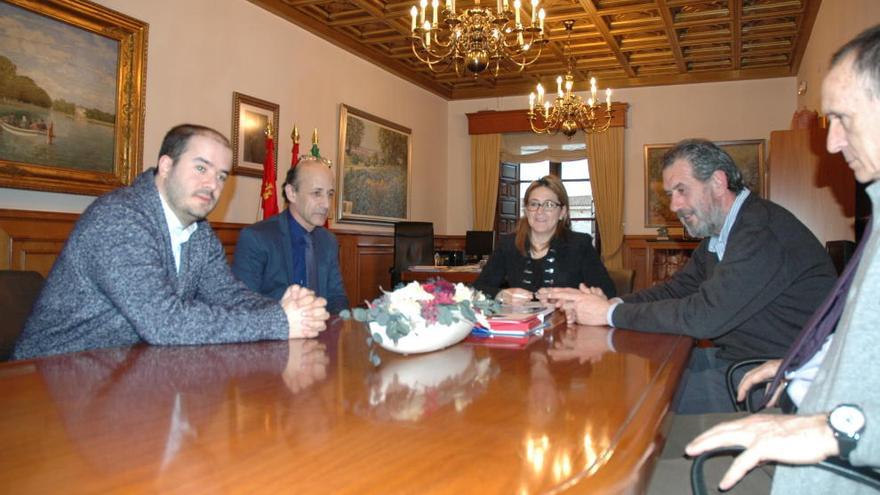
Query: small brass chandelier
column 477, row 38
column 568, row 112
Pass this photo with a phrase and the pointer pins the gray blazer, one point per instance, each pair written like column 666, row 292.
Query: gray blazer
column 115, row 284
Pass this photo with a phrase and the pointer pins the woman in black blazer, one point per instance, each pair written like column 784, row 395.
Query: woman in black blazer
column 544, row 252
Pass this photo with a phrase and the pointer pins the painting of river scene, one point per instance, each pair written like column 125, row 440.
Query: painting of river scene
column 58, row 90
column 374, row 160
column 72, row 96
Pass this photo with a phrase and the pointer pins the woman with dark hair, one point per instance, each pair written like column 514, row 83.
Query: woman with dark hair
column 544, row 252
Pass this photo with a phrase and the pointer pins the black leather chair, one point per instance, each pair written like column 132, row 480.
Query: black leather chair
column 413, row 245
column 18, row 292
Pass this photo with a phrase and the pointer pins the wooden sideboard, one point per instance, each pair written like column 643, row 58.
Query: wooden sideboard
column 32, row 240
column 654, row 261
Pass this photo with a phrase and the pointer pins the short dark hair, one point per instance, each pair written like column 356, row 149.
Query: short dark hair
column 866, row 48
column 175, row 141
column 705, row 158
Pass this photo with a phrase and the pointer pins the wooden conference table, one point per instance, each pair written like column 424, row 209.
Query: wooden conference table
column 316, row 417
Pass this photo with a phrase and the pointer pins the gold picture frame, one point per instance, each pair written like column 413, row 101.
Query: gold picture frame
column 249, row 118
column 80, row 129
column 374, row 168
column 747, row 154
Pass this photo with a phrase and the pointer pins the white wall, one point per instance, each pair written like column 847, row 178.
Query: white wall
column 200, row 51
column 837, row 22
column 717, row 111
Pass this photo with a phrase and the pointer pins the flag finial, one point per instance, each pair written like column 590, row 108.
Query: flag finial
column 268, row 130
column 315, row 136
column 295, row 135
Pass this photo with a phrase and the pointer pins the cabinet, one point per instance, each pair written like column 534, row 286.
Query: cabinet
column 817, row 187
column 654, row 261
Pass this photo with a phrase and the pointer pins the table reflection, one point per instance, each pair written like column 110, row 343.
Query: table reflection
column 409, row 388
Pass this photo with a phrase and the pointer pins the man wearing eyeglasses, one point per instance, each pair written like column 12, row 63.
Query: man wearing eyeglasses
column 750, row 285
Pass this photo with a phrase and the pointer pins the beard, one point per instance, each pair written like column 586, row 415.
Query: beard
column 705, row 222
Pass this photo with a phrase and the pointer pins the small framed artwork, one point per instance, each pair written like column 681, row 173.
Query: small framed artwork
column 747, row 154
column 72, row 92
column 374, row 172
column 250, row 117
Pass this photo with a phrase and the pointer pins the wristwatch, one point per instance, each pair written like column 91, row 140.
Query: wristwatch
column 847, row 421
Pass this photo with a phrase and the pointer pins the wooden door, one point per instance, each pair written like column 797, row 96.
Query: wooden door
column 508, row 199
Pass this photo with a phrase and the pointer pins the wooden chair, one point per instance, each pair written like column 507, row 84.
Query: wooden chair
column 18, row 292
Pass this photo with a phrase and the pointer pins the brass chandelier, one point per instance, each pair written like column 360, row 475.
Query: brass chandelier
column 477, row 38
column 568, row 111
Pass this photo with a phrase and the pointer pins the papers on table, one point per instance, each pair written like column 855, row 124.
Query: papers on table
column 518, row 322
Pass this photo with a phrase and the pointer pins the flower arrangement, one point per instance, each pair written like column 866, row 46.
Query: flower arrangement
column 418, row 305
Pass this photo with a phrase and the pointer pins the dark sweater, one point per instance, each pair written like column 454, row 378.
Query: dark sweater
column 755, row 301
column 576, row 262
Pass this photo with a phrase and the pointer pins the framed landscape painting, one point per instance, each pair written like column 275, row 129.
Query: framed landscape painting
column 250, row 117
column 748, row 156
column 72, row 86
column 375, row 158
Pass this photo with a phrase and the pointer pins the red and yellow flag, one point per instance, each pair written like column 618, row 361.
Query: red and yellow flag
column 268, row 194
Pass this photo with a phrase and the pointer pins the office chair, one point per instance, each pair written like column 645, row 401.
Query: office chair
column 840, row 253
column 413, row 245
column 18, row 292
column 479, row 243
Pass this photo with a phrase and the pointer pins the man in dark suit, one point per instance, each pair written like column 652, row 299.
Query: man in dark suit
column 750, row 285
column 293, row 247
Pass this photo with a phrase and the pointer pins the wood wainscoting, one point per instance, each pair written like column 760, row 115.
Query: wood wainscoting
column 32, row 240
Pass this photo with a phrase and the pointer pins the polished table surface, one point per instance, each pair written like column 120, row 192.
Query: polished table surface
column 564, row 415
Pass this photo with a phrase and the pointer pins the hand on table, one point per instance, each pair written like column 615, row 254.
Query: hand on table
column 306, row 313
column 514, row 296
column 789, row 439
column 584, row 305
column 757, row 375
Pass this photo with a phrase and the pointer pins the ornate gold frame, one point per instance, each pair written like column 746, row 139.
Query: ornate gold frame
column 130, row 102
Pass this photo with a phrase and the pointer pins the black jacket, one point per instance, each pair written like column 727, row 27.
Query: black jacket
column 576, row 262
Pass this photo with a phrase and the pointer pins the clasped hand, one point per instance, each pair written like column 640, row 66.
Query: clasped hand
column 584, row 305
column 306, row 313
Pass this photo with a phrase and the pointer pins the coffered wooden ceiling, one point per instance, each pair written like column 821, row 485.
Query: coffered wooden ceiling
column 624, row 43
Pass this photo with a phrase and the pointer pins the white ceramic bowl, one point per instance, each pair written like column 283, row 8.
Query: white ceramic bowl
column 424, row 338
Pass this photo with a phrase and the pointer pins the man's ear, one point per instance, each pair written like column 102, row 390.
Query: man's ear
column 719, row 181
column 165, row 164
column 289, row 193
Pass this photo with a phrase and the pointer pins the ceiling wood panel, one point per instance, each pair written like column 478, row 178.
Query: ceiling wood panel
column 624, row 43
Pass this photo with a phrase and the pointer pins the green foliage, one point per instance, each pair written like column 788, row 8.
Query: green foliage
column 393, row 146
column 64, row 106
column 354, row 132
column 95, row 114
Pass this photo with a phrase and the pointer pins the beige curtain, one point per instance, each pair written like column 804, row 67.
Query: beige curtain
column 485, row 153
column 605, row 154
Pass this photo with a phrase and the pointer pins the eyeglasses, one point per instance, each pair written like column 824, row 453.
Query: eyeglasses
column 548, row 205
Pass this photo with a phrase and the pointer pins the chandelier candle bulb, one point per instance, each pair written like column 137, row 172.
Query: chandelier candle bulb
column 498, row 8
column 559, row 85
column 434, row 5
column 504, row 3
column 424, row 4
column 427, row 28
column 546, row 109
column 608, row 98
column 531, row 102
column 534, row 7
column 516, row 6
column 568, row 84
column 540, row 94
column 519, row 40
column 414, row 12
column 541, row 15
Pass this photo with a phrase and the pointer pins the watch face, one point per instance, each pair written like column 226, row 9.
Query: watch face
column 847, row 419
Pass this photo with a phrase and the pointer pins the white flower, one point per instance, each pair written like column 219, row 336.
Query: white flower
column 462, row 293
